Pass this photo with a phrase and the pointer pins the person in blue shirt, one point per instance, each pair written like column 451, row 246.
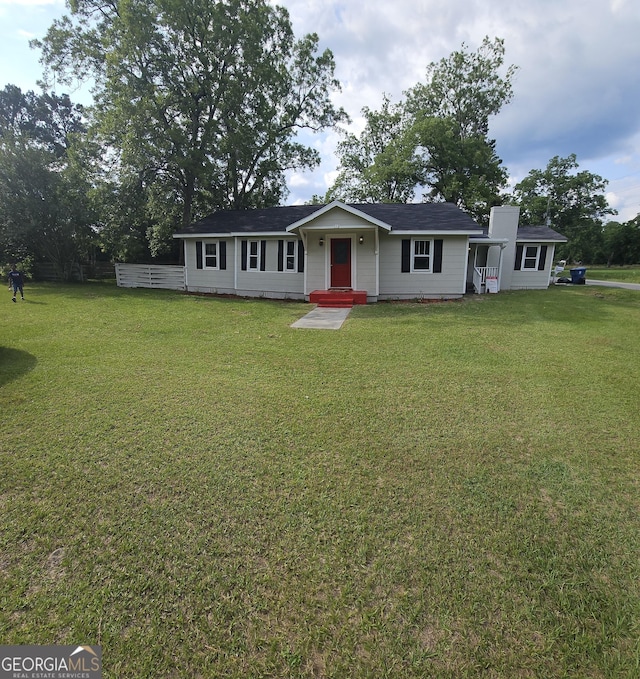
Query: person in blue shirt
column 16, row 282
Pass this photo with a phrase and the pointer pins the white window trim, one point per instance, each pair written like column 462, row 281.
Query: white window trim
column 413, row 255
column 285, row 246
column 524, row 257
column 217, row 255
column 258, row 256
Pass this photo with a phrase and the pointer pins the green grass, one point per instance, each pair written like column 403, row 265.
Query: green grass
column 436, row 490
column 619, row 274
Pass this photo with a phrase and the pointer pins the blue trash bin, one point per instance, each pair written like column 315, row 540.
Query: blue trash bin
column 578, row 275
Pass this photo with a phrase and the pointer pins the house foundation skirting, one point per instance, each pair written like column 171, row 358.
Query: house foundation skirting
column 414, row 297
column 258, row 294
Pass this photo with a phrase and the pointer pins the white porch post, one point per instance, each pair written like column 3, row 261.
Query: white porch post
column 501, row 260
column 305, row 240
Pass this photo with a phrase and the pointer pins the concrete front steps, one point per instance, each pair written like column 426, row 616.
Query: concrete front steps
column 338, row 298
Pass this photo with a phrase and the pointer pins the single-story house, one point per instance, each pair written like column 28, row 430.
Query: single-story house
column 369, row 251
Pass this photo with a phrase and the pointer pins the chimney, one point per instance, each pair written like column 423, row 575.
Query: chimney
column 503, row 225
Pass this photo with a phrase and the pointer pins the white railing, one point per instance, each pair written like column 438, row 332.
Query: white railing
column 480, row 275
column 150, row 276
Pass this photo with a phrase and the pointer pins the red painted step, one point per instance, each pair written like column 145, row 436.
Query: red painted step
column 338, row 298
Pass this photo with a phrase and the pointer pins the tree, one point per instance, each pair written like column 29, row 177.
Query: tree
column 451, row 112
column 436, row 138
column 466, row 88
column 202, row 100
column 621, row 242
column 47, row 120
column 45, row 179
column 124, row 221
column 571, row 202
column 461, row 170
column 380, row 165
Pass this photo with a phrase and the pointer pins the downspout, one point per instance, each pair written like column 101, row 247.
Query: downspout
column 376, row 246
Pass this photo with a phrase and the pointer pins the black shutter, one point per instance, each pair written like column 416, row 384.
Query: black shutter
column 198, row 254
column 263, row 255
column 243, row 255
column 280, row 255
column 406, row 255
column 518, row 264
column 542, row 262
column 223, row 254
column 437, row 255
column 300, row 256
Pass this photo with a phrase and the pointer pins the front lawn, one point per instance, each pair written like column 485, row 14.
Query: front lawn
column 619, row 274
column 436, row 490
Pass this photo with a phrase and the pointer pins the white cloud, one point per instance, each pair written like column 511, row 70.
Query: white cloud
column 296, row 180
column 577, row 89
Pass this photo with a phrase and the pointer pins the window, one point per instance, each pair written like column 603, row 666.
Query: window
column 530, row 257
column 290, row 256
column 254, row 255
column 421, row 255
column 211, row 255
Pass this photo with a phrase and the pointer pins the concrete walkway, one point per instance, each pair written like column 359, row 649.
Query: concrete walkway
column 612, row 284
column 323, row 318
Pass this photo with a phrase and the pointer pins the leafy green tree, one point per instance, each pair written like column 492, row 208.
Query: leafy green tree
column 202, row 100
column 380, row 165
column 436, row 139
column 461, row 170
column 621, row 242
column 47, row 120
column 466, row 88
column 45, row 179
column 124, row 221
column 451, row 112
column 571, row 202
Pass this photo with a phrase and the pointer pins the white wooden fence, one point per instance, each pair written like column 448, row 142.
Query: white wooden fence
column 150, row 276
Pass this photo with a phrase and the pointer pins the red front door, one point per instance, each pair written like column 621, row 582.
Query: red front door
column 341, row 262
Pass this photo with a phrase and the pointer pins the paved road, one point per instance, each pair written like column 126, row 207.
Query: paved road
column 612, row 284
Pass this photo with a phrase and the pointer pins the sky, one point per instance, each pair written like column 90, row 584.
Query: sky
column 577, row 89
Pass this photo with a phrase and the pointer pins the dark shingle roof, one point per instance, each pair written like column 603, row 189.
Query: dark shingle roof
column 539, row 233
column 401, row 217
column 533, row 233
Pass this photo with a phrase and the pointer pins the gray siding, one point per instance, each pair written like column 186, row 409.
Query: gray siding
column 316, row 263
column 534, row 280
column 208, row 280
column 394, row 284
column 268, row 283
column 339, row 218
